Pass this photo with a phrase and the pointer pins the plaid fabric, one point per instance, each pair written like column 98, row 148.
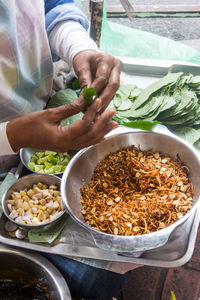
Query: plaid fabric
column 25, row 58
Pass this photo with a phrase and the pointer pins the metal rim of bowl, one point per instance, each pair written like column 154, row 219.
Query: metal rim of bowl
column 98, row 232
column 26, row 226
column 47, row 265
column 36, row 150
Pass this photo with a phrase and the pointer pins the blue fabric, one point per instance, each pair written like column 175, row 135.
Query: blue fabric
column 62, row 10
column 58, row 11
column 88, row 282
column 49, row 4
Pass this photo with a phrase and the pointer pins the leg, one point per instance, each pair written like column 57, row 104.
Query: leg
column 88, row 282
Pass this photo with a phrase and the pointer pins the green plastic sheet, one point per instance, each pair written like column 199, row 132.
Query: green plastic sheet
column 121, row 40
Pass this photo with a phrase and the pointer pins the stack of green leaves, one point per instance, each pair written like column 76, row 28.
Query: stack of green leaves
column 49, row 162
column 173, row 100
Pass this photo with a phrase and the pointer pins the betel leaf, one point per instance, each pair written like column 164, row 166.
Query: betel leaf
column 141, row 124
column 88, row 95
column 125, row 90
column 189, row 134
column 170, row 78
column 117, row 101
column 75, row 84
column 64, row 97
column 125, row 105
column 47, row 235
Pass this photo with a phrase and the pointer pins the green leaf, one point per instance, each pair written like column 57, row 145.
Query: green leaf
column 75, row 84
column 189, row 134
column 62, row 97
column 170, row 78
column 72, row 119
column 88, row 95
column 47, row 235
column 125, row 105
column 117, row 101
column 145, row 125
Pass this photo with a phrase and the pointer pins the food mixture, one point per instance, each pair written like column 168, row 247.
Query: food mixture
column 13, row 289
column 39, row 204
column 135, row 192
column 49, row 162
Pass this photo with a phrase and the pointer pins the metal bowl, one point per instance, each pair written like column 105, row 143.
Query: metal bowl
column 14, row 260
column 25, row 156
column 26, row 182
column 81, row 168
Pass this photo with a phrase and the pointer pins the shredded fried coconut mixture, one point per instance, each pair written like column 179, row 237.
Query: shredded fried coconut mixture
column 134, row 192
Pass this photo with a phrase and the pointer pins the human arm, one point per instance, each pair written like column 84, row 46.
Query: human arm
column 70, row 41
column 42, row 130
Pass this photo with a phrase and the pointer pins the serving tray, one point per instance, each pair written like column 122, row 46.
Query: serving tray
column 77, row 242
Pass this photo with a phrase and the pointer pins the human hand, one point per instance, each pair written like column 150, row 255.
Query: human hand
column 42, row 130
column 100, row 71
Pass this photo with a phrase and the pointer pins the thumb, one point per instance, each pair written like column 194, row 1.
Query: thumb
column 67, row 110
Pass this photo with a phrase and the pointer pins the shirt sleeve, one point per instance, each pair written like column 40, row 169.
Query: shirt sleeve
column 5, row 148
column 69, row 38
column 57, row 11
column 61, row 10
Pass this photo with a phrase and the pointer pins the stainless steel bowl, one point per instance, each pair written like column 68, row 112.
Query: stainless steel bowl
column 25, row 156
column 26, row 182
column 38, row 267
column 82, row 166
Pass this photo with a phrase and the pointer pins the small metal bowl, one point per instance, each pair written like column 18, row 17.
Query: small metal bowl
column 25, row 156
column 26, row 182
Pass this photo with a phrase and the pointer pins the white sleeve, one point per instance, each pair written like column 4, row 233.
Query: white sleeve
column 5, row 148
column 69, row 38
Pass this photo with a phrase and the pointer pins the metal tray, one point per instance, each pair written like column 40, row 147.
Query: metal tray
column 76, row 242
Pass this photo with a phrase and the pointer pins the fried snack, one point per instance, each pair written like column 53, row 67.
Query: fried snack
column 135, row 192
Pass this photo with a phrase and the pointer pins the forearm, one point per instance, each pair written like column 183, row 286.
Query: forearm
column 69, row 38
column 5, row 148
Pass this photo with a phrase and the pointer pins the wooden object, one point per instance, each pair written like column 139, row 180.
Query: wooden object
column 96, row 18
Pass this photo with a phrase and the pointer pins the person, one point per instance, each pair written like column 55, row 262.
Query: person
column 33, row 34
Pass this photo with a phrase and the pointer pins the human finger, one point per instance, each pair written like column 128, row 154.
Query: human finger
column 99, row 138
column 99, row 128
column 80, row 127
column 62, row 112
column 113, row 85
column 81, row 63
column 104, row 66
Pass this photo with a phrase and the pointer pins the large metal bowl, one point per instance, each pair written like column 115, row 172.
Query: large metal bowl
column 81, row 169
column 27, row 182
column 14, row 261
